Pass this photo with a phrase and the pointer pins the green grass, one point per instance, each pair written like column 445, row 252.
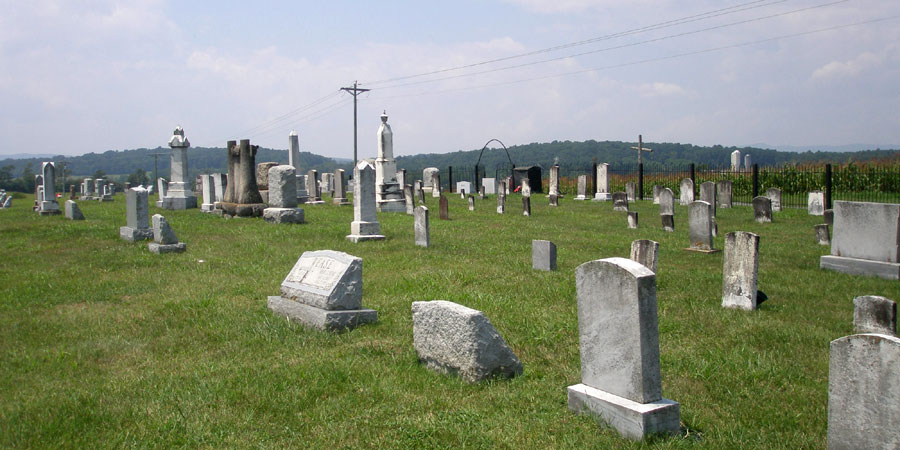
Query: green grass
column 104, row 344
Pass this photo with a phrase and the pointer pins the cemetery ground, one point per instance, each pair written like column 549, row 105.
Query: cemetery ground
column 104, row 344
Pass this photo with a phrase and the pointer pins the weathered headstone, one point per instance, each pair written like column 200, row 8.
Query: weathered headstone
column 602, row 193
column 866, row 239
column 739, row 273
column 723, row 193
column 164, row 239
column 282, row 196
column 452, row 339
column 543, row 255
column 137, row 216
column 620, row 201
column 668, row 222
column 762, row 209
column 774, row 194
column 666, row 202
column 179, row 194
column 410, row 200
column 645, row 252
column 428, row 177
column 422, row 227
column 632, row 219
column 619, row 336
column 340, row 188
column 262, row 178
column 748, row 162
column 686, row 192
column 444, row 208
column 823, row 234
column 324, row 288
column 554, row 180
column 582, row 188
column 554, row 200
column 700, row 225
column 501, row 204
column 816, row 203
column 471, row 203
column 863, row 392
column 313, row 190
column 708, row 195
column 526, row 206
column 49, row 205
column 209, row 202
column 489, row 185
column 875, row 314
column 631, row 191
column 365, row 225
column 736, row 160
column 656, row 189
column 73, row 212
column 436, row 185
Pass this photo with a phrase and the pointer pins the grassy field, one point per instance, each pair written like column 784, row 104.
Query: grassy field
column 104, row 344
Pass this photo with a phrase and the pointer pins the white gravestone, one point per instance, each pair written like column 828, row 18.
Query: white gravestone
column 815, row 203
column 324, row 290
column 179, row 194
column 686, row 192
column 700, row 227
column 428, row 177
column 422, row 227
column 282, row 196
column 490, row 185
column 464, row 186
column 554, row 181
column 666, row 202
column 739, row 274
column 619, row 337
column 866, row 240
column 774, row 194
column 602, row 193
column 436, row 185
column 137, row 216
column 365, row 225
column 582, row 188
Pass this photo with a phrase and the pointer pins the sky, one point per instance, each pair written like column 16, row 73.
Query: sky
column 84, row 76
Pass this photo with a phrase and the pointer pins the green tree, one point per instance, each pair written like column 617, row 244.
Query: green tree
column 138, row 177
column 99, row 173
column 27, row 177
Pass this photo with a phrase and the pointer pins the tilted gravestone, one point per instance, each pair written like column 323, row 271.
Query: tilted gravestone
column 543, row 255
column 864, row 392
column 666, row 202
column 632, row 219
column 739, row 274
column 444, row 208
column 410, row 200
column 137, row 216
column 815, row 203
column 866, row 240
column 582, row 188
column 421, row 226
column 774, row 194
column 823, row 234
column 686, row 192
column 620, row 201
column 73, row 212
column 619, row 337
column 645, row 252
column 365, row 226
column 282, row 208
column 723, row 193
column 762, row 209
column 164, row 239
column 875, row 314
column 324, row 289
column 452, row 339
column 700, row 227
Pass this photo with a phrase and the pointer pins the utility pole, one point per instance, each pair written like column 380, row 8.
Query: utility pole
column 354, row 91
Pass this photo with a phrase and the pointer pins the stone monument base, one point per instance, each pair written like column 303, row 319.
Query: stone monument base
column 135, row 234
column 602, row 197
column 105, row 198
column 314, row 201
column 177, row 203
column 208, row 207
column 167, row 248
column 631, row 419
column 365, row 231
column 391, row 206
column 241, row 209
column 49, row 212
column 580, row 197
column 341, row 201
column 703, row 250
column 283, row 215
column 856, row 266
column 323, row 319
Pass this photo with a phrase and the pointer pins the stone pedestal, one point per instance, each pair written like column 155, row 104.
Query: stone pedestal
column 283, row 215
column 365, row 226
column 323, row 319
column 631, row 419
column 179, row 194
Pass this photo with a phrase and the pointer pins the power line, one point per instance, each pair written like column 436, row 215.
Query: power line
column 306, row 118
column 680, row 21
column 617, row 47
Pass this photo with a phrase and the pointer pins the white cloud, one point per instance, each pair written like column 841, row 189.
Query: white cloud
column 846, row 69
column 660, row 89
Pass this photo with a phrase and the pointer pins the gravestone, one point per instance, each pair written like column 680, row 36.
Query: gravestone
column 88, row 189
column 656, row 189
column 365, row 225
column 525, row 188
column 619, row 337
column 313, row 190
column 774, row 195
column 99, row 187
column 282, row 196
column 526, row 206
column 501, row 204
column 723, row 193
column 554, row 200
column 324, row 288
column 410, row 200
column 422, row 228
column 620, row 201
column 326, row 183
column 137, row 216
column 736, row 160
column 740, row 270
column 49, row 205
column 631, row 191
column 874, row 314
column 700, row 226
column 645, row 252
column 543, row 255
column 865, row 240
column 762, row 209
column 208, row 204
column 823, row 234
column 420, row 193
column 453, row 339
column 582, row 187
column 73, row 212
column 262, row 178
column 428, row 177
column 219, row 182
column 436, row 185
column 748, row 162
column 444, row 208
column 668, row 222
column 602, row 193
column 632, row 219
column 179, row 194
column 708, row 195
column 489, row 185
column 164, row 239
column 829, row 217
column 481, row 193
column 161, row 187
column 863, row 392
column 464, row 186
column 686, row 192
column 471, row 203
column 340, row 188
column 388, row 190
column 554, row 181
column 666, row 202
column 815, row 203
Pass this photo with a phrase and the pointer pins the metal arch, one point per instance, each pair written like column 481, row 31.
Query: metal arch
column 511, row 165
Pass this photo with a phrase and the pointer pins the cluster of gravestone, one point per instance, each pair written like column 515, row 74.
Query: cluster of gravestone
column 5, row 199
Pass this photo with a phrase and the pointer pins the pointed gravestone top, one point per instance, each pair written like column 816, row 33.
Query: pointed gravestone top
column 178, row 139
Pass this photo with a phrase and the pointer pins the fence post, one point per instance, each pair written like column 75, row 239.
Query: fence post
column 640, row 181
column 693, row 178
column 755, row 181
column 450, row 178
column 827, row 186
column 477, row 188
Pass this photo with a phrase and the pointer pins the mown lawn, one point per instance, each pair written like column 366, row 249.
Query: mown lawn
column 103, row 344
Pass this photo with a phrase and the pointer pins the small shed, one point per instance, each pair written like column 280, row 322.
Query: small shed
column 532, row 174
